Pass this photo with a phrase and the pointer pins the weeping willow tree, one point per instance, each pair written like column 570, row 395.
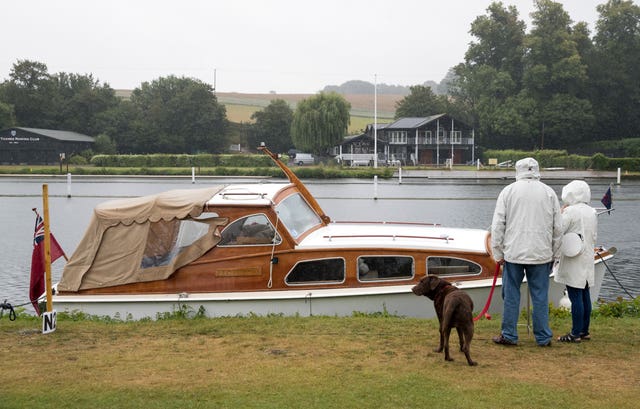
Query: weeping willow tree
column 320, row 122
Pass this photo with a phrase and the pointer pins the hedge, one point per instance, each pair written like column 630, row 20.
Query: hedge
column 561, row 159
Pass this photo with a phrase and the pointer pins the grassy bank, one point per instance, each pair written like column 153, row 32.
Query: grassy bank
column 317, row 362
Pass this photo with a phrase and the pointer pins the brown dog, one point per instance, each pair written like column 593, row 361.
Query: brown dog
column 454, row 309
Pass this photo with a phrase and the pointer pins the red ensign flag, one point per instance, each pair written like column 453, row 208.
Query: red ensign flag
column 36, row 287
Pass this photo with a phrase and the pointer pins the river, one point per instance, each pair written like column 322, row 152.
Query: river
column 451, row 202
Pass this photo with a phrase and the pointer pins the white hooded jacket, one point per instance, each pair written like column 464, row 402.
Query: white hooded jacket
column 578, row 217
column 527, row 226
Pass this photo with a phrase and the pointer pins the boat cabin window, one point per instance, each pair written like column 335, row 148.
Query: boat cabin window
column 250, row 231
column 297, row 215
column 371, row 268
column 449, row 266
column 165, row 239
column 328, row 270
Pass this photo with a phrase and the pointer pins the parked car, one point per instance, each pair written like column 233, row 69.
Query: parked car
column 304, row 159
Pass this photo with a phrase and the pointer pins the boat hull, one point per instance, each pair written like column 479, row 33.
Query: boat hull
column 394, row 300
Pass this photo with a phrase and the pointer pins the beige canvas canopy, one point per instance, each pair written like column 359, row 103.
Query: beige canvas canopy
column 142, row 239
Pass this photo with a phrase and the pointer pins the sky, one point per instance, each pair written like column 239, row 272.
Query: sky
column 251, row 46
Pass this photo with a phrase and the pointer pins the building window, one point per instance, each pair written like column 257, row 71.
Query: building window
column 372, row 268
column 428, row 138
column 449, row 266
column 398, row 137
column 442, row 134
column 456, row 137
column 328, row 270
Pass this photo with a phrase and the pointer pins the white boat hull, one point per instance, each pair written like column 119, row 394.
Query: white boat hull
column 395, row 300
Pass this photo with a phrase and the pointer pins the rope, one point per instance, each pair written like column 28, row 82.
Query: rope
column 11, row 308
column 484, row 312
column 7, row 306
column 273, row 249
column 614, row 277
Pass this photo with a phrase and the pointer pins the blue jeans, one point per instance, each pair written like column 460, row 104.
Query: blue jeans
column 538, row 282
column 580, row 310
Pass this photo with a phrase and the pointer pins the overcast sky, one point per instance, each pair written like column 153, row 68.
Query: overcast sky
column 286, row 46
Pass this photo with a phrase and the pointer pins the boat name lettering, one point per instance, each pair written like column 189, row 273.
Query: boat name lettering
column 239, row 272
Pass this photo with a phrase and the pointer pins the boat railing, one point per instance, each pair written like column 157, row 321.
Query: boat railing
column 444, row 237
column 385, row 222
column 227, row 195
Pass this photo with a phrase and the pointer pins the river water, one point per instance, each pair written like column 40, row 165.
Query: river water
column 459, row 202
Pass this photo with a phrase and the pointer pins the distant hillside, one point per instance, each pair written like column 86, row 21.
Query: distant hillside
column 241, row 106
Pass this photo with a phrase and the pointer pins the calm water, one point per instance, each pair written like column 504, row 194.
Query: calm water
column 463, row 203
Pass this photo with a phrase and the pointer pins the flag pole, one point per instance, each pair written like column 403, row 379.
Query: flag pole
column 47, row 246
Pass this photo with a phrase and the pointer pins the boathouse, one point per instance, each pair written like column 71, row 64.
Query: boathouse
column 40, row 146
column 433, row 140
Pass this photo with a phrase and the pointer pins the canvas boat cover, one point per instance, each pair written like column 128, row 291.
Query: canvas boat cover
column 142, row 239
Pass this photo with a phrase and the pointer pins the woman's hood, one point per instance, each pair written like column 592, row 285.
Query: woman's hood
column 575, row 192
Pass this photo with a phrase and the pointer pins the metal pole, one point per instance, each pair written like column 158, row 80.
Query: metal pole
column 375, row 121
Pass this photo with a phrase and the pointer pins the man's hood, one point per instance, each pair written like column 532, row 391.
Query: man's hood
column 575, row 192
column 527, row 168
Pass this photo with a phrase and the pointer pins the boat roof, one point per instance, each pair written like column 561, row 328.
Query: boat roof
column 396, row 236
column 255, row 194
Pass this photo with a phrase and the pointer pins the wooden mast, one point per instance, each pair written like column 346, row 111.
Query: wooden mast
column 301, row 187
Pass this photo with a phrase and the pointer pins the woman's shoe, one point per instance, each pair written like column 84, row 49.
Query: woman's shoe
column 585, row 337
column 569, row 338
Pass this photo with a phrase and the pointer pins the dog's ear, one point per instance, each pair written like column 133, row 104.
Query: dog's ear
column 433, row 282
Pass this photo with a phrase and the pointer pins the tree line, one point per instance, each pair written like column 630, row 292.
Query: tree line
column 553, row 87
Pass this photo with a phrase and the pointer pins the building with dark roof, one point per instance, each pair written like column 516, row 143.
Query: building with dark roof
column 40, row 146
column 433, row 140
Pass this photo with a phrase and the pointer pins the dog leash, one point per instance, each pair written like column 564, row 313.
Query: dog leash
column 484, row 312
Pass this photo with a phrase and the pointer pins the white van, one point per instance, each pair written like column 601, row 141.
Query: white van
column 304, row 159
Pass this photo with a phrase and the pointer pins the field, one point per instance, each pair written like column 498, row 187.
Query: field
column 241, row 106
column 362, row 361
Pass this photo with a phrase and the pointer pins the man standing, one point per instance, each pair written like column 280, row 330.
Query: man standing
column 526, row 234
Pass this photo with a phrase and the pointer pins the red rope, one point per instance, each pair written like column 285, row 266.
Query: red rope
column 484, row 312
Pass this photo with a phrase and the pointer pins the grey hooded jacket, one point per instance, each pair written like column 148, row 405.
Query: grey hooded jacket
column 527, row 225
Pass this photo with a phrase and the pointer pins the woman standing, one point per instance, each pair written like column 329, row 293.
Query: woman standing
column 577, row 272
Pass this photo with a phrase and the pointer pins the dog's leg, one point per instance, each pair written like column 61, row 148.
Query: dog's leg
column 468, row 336
column 447, row 332
column 439, row 349
column 461, row 338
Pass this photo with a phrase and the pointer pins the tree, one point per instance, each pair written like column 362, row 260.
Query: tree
column 489, row 81
column 421, row 102
column 178, row 115
column 80, row 99
column 613, row 70
column 103, row 144
column 31, row 92
column 320, row 122
column 273, row 126
column 7, row 116
column 555, row 75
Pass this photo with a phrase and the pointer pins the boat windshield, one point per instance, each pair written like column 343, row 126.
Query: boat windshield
column 296, row 215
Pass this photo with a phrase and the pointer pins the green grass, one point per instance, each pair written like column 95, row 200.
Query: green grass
column 362, row 361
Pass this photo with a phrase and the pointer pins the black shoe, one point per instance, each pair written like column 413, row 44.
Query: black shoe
column 500, row 340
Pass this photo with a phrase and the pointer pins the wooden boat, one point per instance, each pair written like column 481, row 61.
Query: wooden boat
column 263, row 249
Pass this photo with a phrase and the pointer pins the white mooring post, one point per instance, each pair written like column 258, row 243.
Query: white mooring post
column 399, row 175
column 375, row 187
column 193, row 174
column 68, row 184
column 618, row 176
